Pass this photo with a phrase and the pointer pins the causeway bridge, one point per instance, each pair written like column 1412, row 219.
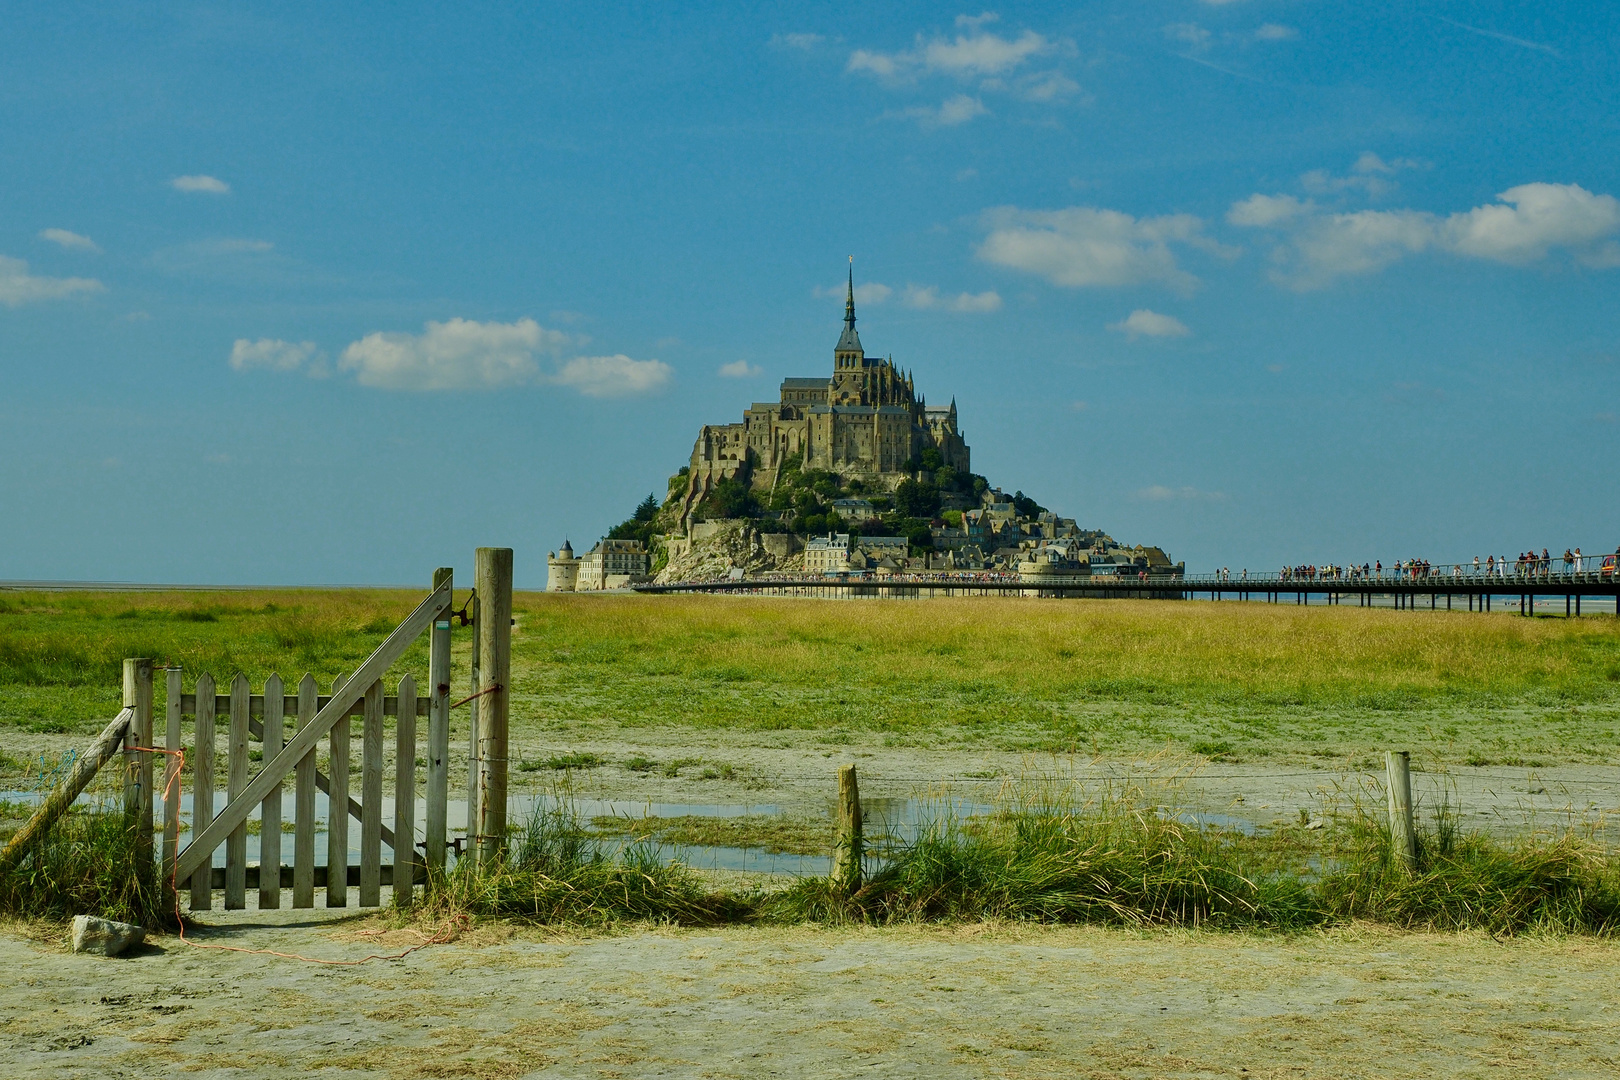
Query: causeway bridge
column 1433, row 592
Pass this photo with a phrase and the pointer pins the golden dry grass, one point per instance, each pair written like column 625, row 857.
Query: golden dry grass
column 1240, row 679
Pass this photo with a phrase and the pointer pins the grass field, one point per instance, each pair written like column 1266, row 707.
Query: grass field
column 1233, row 681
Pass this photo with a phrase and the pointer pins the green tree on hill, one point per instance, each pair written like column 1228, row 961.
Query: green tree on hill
column 639, row 526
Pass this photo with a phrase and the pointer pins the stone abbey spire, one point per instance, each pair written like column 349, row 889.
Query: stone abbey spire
column 848, row 351
column 867, row 420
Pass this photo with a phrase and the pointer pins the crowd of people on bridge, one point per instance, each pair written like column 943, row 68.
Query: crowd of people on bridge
column 1529, row 566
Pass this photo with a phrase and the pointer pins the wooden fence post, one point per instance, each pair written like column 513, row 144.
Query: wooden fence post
column 494, row 583
column 405, row 793
column 275, row 731
column 61, row 797
column 138, row 763
column 847, row 843
column 1402, row 829
column 304, row 802
column 371, row 782
column 172, row 780
column 202, row 791
column 474, row 811
column 337, row 809
column 236, row 779
column 438, row 769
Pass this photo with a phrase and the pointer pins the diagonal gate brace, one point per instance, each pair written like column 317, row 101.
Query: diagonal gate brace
column 274, row 772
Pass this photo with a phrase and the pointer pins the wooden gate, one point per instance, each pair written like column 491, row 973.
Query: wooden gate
column 263, row 719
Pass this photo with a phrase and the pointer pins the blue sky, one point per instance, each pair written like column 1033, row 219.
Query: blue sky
column 335, row 293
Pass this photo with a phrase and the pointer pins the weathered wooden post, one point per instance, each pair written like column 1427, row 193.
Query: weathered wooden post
column 337, row 808
column 236, row 778
column 202, row 790
column 438, row 755
column 61, row 797
column 275, row 735
column 304, row 801
column 405, row 794
column 493, row 581
column 138, row 763
column 847, row 843
column 173, row 782
column 474, row 814
column 1402, row 830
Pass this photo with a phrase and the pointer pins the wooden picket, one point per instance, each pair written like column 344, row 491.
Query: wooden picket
column 202, row 791
column 304, row 803
column 262, row 718
column 275, row 707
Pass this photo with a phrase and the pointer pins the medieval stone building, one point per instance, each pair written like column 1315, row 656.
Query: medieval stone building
column 866, row 421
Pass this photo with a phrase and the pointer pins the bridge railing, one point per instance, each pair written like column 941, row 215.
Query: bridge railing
column 1587, row 569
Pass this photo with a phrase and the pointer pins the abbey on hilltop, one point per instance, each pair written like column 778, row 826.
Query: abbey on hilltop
column 866, row 422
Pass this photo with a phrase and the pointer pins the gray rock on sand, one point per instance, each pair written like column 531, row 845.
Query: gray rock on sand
column 104, row 937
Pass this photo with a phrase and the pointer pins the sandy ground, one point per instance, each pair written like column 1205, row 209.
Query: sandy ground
column 975, row 1002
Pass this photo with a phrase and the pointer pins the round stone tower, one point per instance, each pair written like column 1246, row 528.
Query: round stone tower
column 562, row 569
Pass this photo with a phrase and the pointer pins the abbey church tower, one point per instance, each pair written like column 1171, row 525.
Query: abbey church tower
column 866, row 421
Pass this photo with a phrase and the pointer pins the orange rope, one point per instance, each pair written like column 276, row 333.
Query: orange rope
column 460, row 923
column 475, row 697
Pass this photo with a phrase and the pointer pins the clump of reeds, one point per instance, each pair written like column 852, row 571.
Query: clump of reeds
column 556, row 872
column 91, row 862
column 1128, row 856
column 1054, row 853
column 1560, row 882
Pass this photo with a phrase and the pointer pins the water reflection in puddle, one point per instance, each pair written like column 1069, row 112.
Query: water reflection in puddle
column 888, row 822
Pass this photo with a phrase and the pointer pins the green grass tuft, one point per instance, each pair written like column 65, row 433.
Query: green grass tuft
column 89, row 863
column 556, row 873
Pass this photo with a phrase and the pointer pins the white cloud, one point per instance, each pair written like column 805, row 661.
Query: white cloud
column 69, row 240
column 613, row 376
column 978, row 53
column 867, row 292
column 926, row 297
column 231, row 245
column 874, row 62
column 271, row 353
column 952, row 111
column 971, row 55
column 1275, row 32
column 805, row 42
column 1370, row 162
column 1048, row 86
column 1528, row 220
column 1190, row 34
column 1322, row 182
column 1524, row 226
column 1369, row 173
column 1263, row 210
column 1160, row 493
column 1084, row 246
column 209, row 185
column 1145, row 323
column 1340, row 245
column 741, row 369
column 18, row 286
column 461, row 354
